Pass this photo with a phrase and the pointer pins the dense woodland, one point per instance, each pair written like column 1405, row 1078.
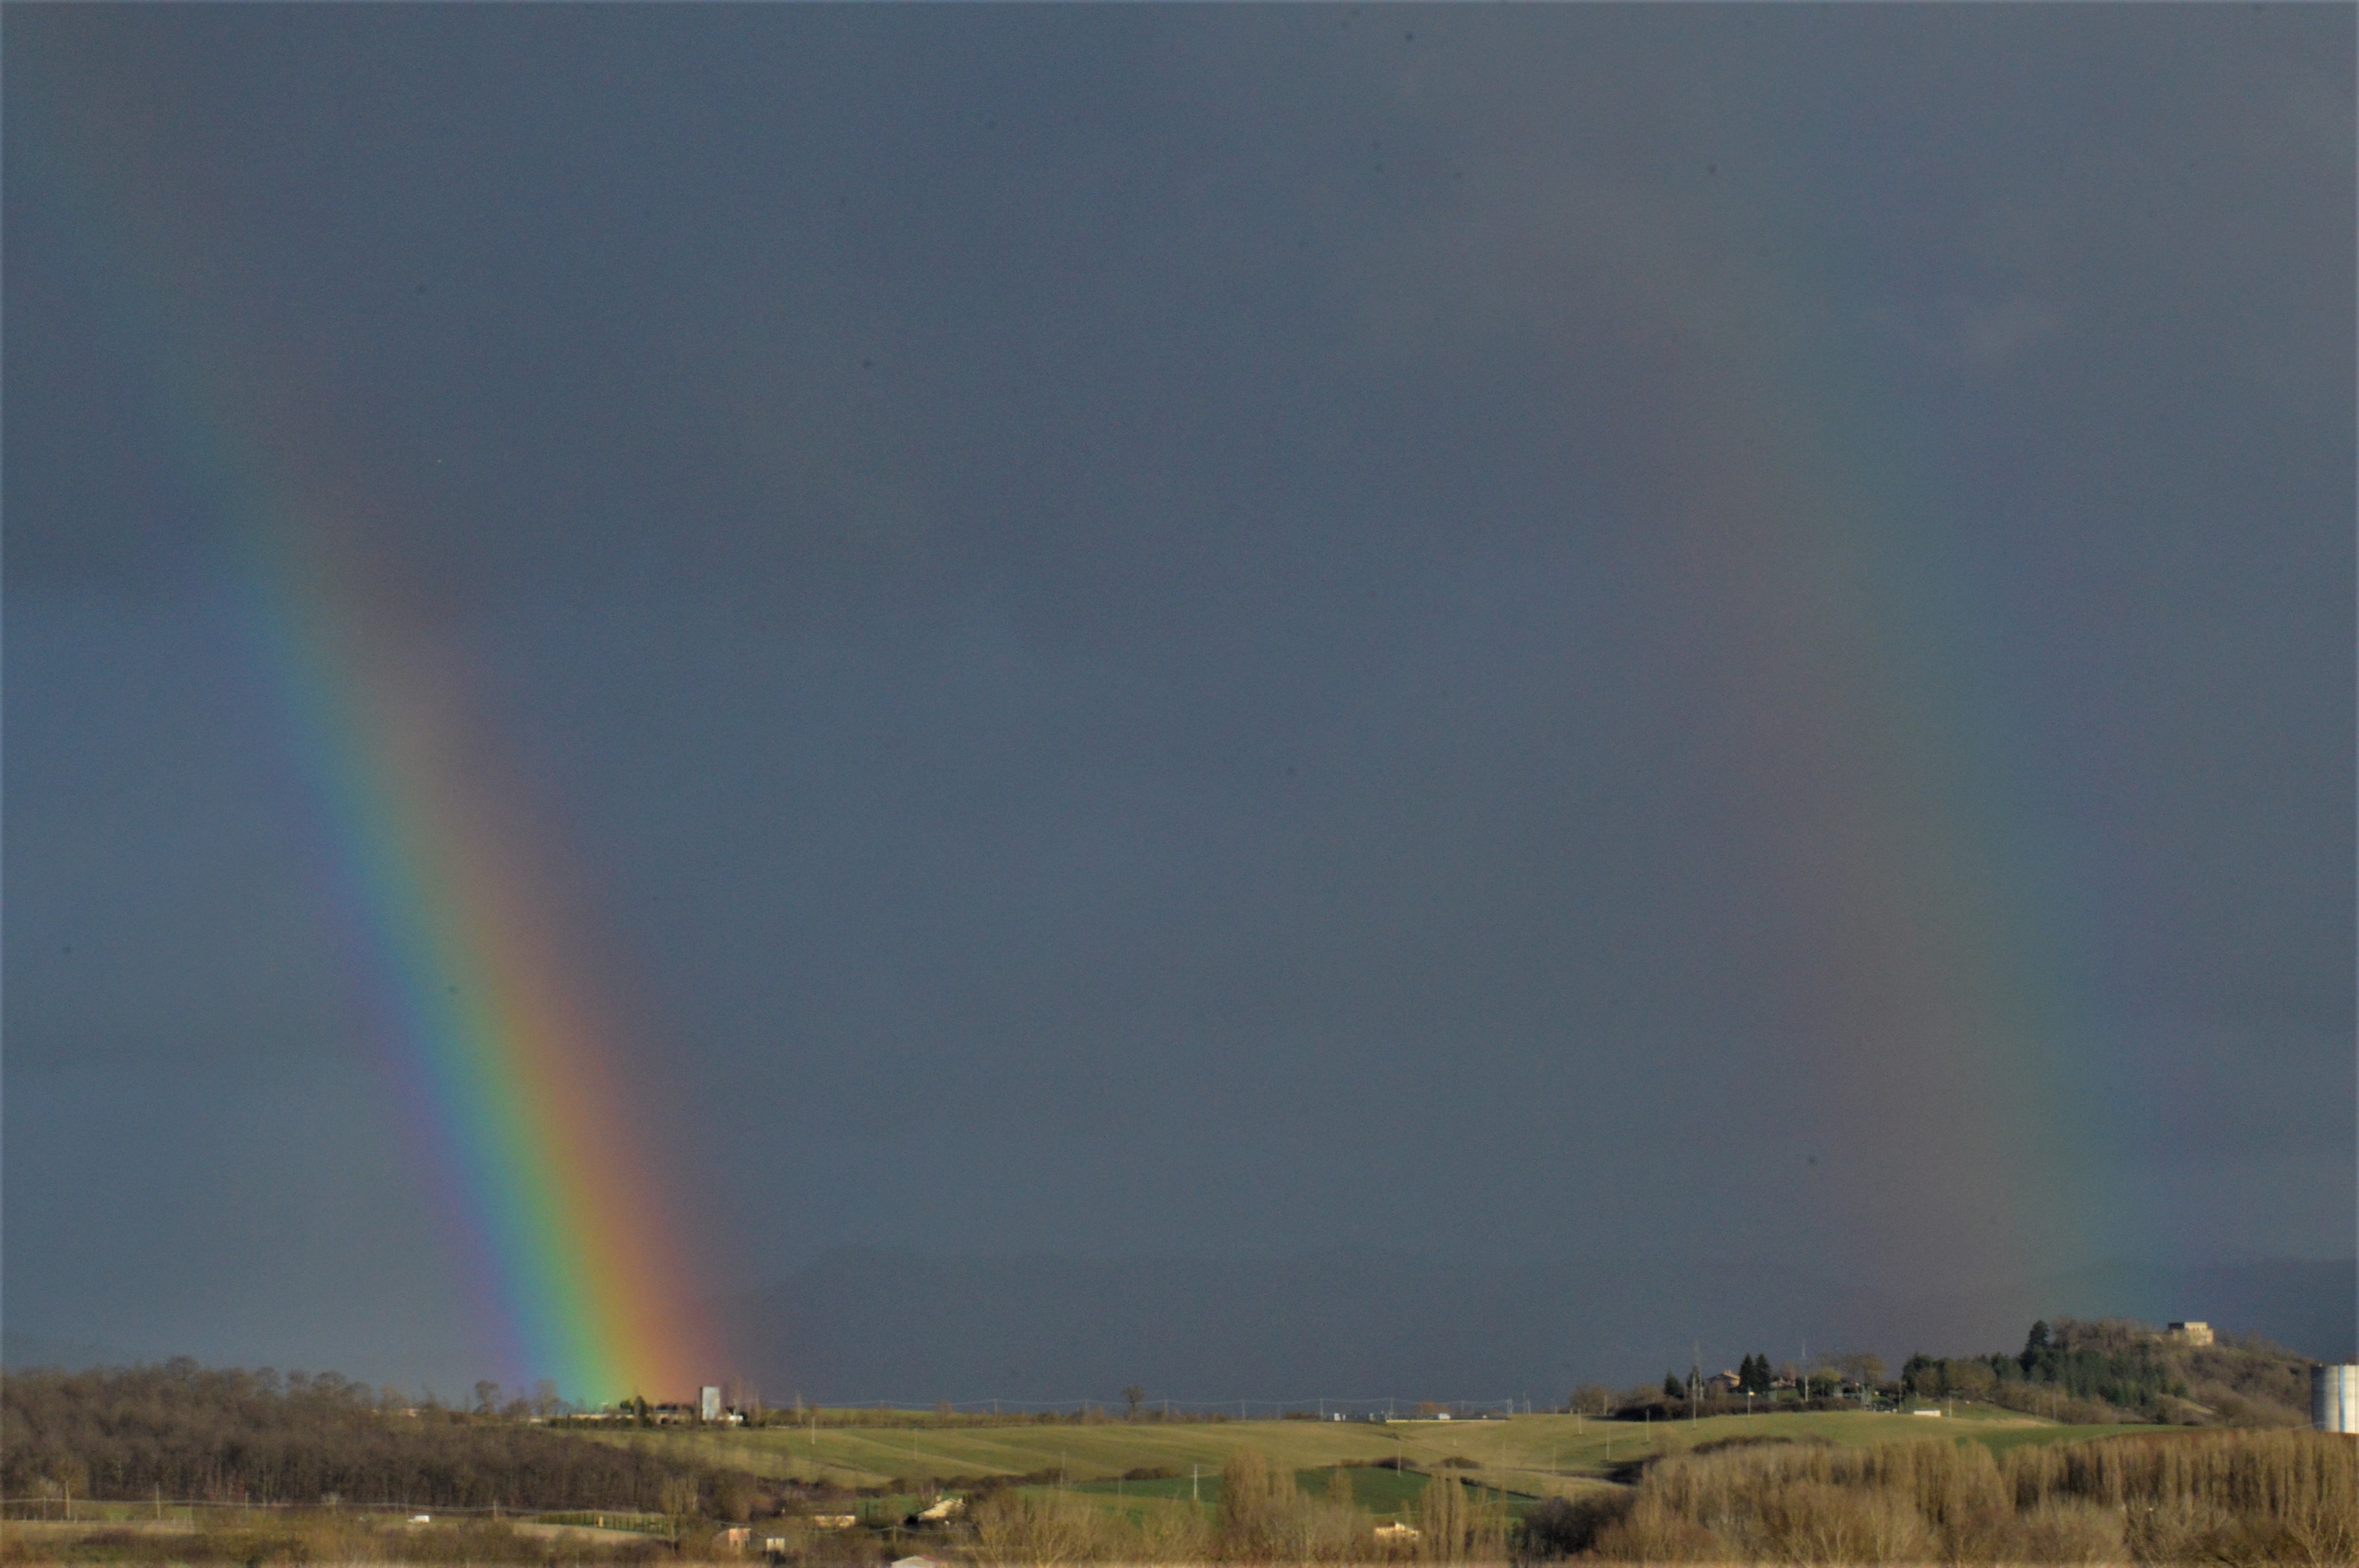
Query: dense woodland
column 183, row 1431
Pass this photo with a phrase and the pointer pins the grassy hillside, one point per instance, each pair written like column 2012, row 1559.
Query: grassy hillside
column 1537, row 1454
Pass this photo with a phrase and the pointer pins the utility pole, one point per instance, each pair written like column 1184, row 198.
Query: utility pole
column 1195, row 1483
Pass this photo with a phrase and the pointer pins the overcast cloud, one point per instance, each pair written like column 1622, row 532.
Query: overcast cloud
column 1218, row 633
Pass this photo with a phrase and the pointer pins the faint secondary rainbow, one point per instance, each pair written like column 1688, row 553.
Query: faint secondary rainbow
column 476, row 1000
column 1800, row 533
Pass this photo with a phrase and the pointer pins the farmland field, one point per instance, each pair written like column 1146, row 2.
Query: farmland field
column 1535, row 1455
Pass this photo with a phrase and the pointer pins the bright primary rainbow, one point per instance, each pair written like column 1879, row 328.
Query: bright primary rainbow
column 478, row 1007
column 494, row 1031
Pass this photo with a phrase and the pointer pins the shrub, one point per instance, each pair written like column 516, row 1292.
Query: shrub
column 1265, row 1518
column 1560, row 1527
column 2218, row 1496
column 1045, row 1529
column 2067, row 1532
column 1653, row 1531
column 1455, row 1528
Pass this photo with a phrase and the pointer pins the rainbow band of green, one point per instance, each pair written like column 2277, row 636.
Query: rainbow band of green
column 554, row 1208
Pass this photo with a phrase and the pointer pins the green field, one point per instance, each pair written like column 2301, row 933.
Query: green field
column 1381, row 1492
column 1378, row 1491
column 1535, row 1455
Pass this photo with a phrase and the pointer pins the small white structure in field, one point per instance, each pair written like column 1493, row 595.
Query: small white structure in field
column 708, row 1403
column 944, row 1509
column 1396, row 1531
column 836, row 1521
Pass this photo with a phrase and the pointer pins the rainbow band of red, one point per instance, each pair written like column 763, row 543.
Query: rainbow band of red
column 553, row 1205
column 488, row 1017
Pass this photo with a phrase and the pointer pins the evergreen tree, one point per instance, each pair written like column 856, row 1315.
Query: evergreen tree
column 2039, row 1352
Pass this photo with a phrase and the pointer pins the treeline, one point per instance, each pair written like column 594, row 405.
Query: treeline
column 2221, row 1498
column 250, row 1541
column 183, row 1431
column 2113, row 1369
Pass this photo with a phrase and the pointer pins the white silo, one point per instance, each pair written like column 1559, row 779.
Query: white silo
column 2334, row 1398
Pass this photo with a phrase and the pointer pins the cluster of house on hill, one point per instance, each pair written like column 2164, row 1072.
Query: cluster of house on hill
column 1731, row 1383
column 708, row 1410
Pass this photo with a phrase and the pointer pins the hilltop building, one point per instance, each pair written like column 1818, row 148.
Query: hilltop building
column 2189, row 1334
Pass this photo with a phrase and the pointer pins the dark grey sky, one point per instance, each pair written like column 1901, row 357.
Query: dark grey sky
column 1566, row 633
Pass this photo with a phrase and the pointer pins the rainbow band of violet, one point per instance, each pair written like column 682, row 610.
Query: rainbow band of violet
column 553, row 1203
column 487, row 1018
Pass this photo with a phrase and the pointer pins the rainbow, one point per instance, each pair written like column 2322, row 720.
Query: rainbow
column 494, row 1031
column 472, row 991
column 1800, row 540
column 1805, row 547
